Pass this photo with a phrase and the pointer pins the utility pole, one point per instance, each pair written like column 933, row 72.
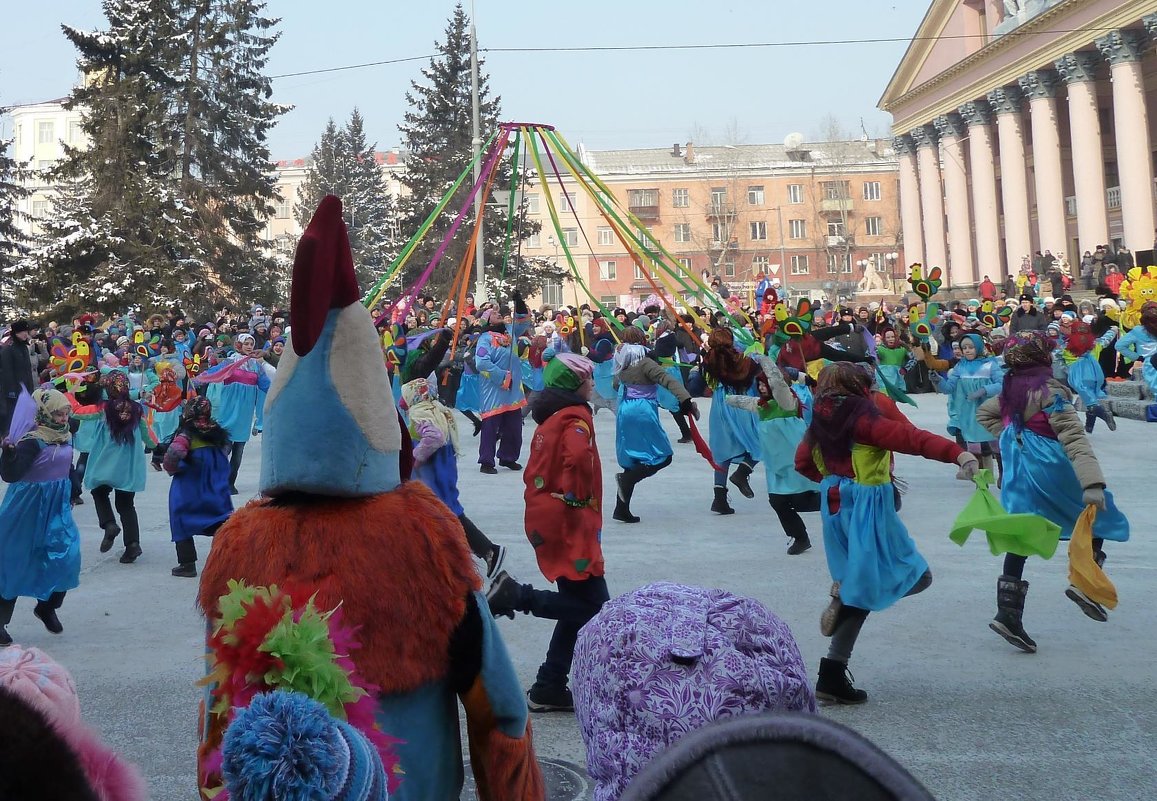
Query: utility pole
column 782, row 262
column 476, row 146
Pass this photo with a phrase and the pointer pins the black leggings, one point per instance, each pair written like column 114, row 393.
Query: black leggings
column 125, row 508
column 235, row 456
column 788, row 507
column 480, row 544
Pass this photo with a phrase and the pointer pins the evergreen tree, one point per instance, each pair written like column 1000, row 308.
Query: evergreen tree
column 168, row 201
column 222, row 121
column 344, row 164
column 437, row 137
column 13, row 243
column 116, row 233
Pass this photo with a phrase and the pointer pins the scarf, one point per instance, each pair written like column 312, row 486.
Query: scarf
column 197, row 421
column 627, row 356
column 47, row 431
column 422, row 405
column 842, row 397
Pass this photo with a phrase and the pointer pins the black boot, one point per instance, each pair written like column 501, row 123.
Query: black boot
column 835, row 684
column 47, row 614
column 684, row 428
column 799, row 545
column 720, row 505
column 505, row 596
column 549, row 698
column 626, row 488
column 111, row 532
column 1090, row 421
column 6, row 607
column 1010, row 593
column 739, row 479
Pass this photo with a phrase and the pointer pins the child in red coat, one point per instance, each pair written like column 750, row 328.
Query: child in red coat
column 564, row 518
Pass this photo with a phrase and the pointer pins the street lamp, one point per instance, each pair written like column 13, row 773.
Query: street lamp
column 891, row 258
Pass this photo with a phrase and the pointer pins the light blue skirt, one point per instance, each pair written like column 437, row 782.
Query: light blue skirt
column 868, row 547
column 732, row 432
column 665, row 398
column 113, row 464
column 639, row 437
column 39, row 541
column 604, row 379
column 467, row 399
column 1039, row 478
column 1087, row 379
column 778, row 440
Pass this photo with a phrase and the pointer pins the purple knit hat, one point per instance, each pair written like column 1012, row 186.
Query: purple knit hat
column 666, row 659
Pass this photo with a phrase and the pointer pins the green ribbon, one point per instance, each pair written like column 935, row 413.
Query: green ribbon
column 1024, row 534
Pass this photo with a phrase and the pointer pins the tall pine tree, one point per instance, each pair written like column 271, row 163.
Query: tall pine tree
column 13, row 243
column 437, row 137
column 168, row 201
column 343, row 163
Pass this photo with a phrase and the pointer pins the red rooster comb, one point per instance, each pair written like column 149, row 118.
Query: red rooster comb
column 323, row 275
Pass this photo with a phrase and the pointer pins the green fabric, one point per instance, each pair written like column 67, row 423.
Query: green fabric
column 1022, row 534
column 893, row 356
column 556, row 374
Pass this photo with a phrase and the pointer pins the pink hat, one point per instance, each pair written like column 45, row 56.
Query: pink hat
column 42, row 682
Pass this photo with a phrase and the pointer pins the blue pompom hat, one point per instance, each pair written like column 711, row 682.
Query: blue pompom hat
column 286, row 746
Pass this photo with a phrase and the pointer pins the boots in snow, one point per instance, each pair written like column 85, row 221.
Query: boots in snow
column 1090, row 607
column 626, row 488
column 47, row 614
column 1010, row 594
column 505, row 596
column 7, row 606
column 835, row 684
column 111, row 532
column 739, row 479
column 799, row 545
column 720, row 505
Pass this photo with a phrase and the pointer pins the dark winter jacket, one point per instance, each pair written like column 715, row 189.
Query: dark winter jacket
column 15, row 372
column 1033, row 320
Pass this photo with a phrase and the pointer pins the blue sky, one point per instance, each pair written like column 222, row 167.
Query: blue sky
column 606, row 100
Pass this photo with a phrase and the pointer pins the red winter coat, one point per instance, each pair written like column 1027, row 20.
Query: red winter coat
column 564, row 492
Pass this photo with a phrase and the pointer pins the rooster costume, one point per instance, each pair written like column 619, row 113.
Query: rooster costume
column 336, row 516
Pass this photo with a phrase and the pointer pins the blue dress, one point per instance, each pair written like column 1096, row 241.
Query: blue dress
column 732, row 432
column 604, row 378
column 199, row 497
column 1086, row 378
column 1039, row 478
column 112, row 464
column 39, row 541
column 667, row 400
column 965, row 378
column 1138, row 343
column 467, row 399
column 440, row 474
column 639, row 436
column 779, row 437
column 869, row 550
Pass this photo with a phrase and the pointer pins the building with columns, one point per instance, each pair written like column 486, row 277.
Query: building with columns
column 1024, row 125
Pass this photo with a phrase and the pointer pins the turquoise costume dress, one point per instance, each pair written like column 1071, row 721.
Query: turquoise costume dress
column 1039, row 477
column 235, row 402
column 111, row 464
column 665, row 398
column 639, row 437
column 39, row 541
column 732, row 432
column 604, row 378
column 968, row 377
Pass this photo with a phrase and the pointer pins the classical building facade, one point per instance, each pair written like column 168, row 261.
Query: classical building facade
column 39, row 133
column 1024, row 125
column 816, row 217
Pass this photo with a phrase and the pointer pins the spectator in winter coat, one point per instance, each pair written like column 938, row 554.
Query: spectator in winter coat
column 1114, row 280
column 16, row 370
column 1027, row 317
column 1124, row 260
column 987, row 289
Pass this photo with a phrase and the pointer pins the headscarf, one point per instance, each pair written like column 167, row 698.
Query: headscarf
column 628, row 355
column 1029, row 359
column 1081, row 339
column 422, row 405
column 567, row 371
column 977, row 342
column 48, row 431
column 724, row 363
column 121, row 413
column 843, row 395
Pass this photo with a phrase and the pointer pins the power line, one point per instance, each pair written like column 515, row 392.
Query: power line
column 713, row 46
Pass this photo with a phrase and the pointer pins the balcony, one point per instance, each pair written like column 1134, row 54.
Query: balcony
column 645, row 213
column 1113, row 197
column 836, row 241
column 1071, row 206
column 720, row 245
column 836, row 204
column 720, row 210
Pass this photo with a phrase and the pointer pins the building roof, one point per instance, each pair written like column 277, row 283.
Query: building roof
column 687, row 159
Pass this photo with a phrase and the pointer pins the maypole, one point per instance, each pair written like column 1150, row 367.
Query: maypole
column 476, row 143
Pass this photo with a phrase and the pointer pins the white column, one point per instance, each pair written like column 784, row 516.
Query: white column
column 1006, row 104
column 913, row 227
column 1040, row 89
column 1079, row 71
column 960, row 268
column 1124, row 50
column 981, row 165
column 931, row 195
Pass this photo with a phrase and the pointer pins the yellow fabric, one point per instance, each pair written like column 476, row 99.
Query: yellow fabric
column 872, row 465
column 1084, row 573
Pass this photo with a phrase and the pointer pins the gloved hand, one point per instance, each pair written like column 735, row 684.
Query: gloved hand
column 688, row 407
column 935, row 378
column 518, row 303
column 1094, row 496
column 979, row 394
column 969, row 464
